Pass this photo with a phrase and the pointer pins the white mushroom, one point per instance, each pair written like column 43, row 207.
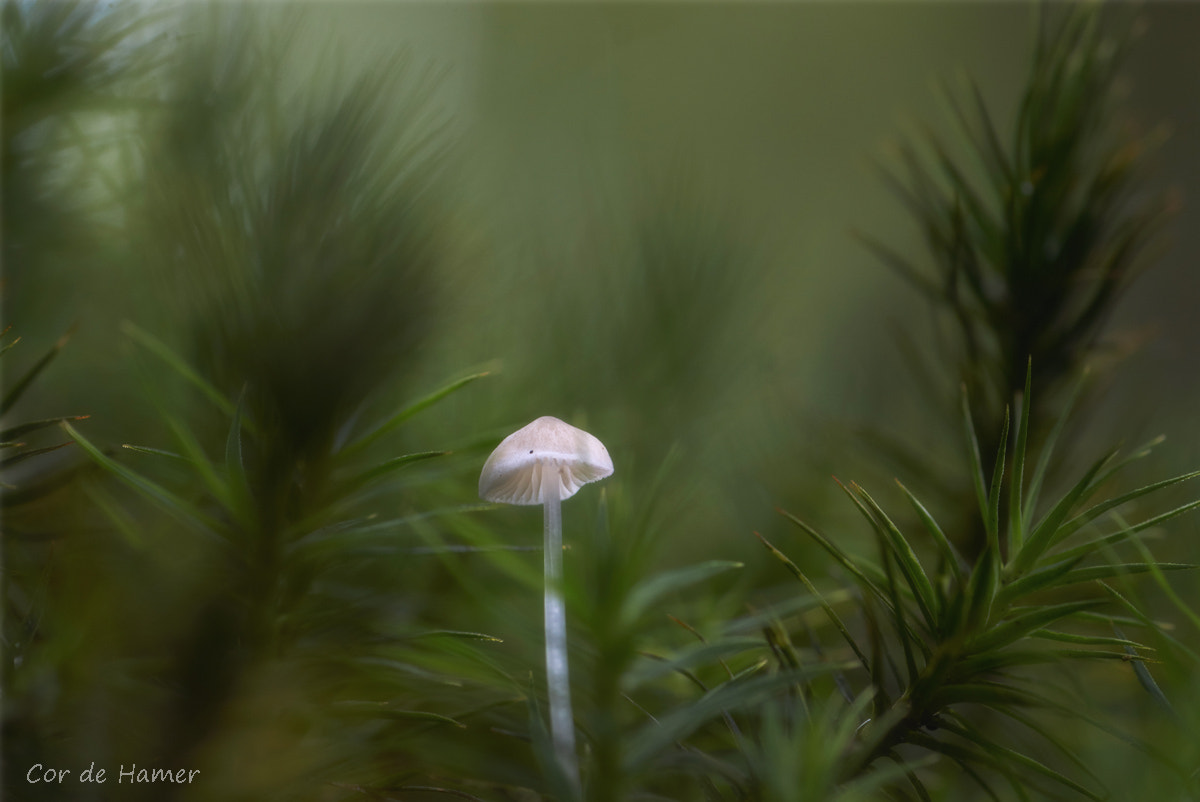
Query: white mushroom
column 548, row 447
column 544, row 463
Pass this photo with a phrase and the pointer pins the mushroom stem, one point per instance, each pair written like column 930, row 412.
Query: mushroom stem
column 562, row 725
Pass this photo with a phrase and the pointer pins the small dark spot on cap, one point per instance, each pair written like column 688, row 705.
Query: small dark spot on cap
column 531, row 451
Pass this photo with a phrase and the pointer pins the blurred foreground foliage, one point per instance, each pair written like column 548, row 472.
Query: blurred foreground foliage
column 287, row 583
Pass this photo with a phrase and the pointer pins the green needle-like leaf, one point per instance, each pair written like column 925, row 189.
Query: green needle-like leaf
column 1038, row 580
column 949, row 553
column 655, row 737
column 1145, row 677
column 906, row 558
column 1016, row 488
column 1088, row 640
column 173, row 504
column 993, row 505
column 389, row 424
column 241, row 495
column 1126, row 534
column 981, row 592
column 842, row 559
column 155, row 452
column 208, row 472
column 829, row 611
column 976, row 459
column 701, row 655
column 1043, row 535
column 4, row 349
column 24, row 455
column 18, row 388
column 1094, row 512
column 646, row 594
column 384, row 710
column 387, row 467
column 990, row 747
column 1026, row 622
column 9, row 435
column 1043, row 463
column 459, row 634
column 177, row 364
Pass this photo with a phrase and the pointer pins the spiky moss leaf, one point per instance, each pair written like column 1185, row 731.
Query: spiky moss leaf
column 1160, row 579
column 1145, row 678
column 1141, row 452
column 1126, row 533
column 371, row 532
column 784, row 610
column 906, row 558
column 399, row 417
column 647, row 593
column 1041, row 579
column 969, row 756
column 177, row 507
column 904, row 267
column 373, row 709
column 990, row 229
column 213, row 479
column 980, row 593
column 384, row 469
column 1088, row 640
column 1048, row 444
column 1042, row 536
column 825, row 606
column 433, row 789
column 179, row 365
column 976, row 459
column 949, row 553
column 975, row 777
column 241, row 496
column 993, row 661
column 898, row 613
column 454, row 633
column 1076, row 523
column 980, row 692
column 1003, row 753
column 17, row 389
column 11, row 434
column 24, row 455
column 989, row 147
column 857, row 567
column 1016, row 490
column 645, row 745
column 911, row 776
column 1027, row 620
column 4, row 349
column 993, row 507
column 1139, row 618
column 1094, row 572
column 155, row 452
column 1048, row 736
column 705, row 654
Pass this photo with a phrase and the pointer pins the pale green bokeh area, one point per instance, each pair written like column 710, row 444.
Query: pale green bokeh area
column 570, row 122
column 575, row 119
column 648, row 230
column 578, row 120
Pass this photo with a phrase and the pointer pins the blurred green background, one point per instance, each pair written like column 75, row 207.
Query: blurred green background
column 638, row 217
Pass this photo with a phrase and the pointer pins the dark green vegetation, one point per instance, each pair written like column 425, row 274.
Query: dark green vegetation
column 241, row 531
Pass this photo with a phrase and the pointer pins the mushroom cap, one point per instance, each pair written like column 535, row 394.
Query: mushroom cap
column 513, row 473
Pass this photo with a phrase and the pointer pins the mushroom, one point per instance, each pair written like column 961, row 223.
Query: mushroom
column 544, row 463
